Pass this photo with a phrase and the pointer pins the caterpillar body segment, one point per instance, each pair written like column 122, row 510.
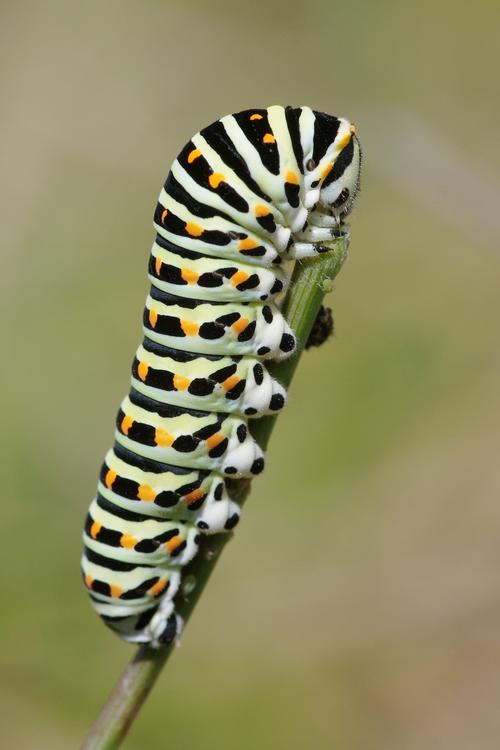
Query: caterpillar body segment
column 199, row 277
column 141, row 486
column 196, row 439
column 225, row 384
column 209, row 327
column 246, row 193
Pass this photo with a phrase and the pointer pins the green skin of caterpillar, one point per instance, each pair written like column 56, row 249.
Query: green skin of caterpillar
column 224, row 225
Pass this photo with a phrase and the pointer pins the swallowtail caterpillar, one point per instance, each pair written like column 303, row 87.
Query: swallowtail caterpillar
column 246, row 193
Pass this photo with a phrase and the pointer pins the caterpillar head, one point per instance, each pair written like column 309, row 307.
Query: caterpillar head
column 341, row 184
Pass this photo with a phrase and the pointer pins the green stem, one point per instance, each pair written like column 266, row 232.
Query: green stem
column 310, row 281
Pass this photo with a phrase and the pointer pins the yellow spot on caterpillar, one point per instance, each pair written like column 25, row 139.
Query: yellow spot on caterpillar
column 215, row 180
column 115, row 590
column 256, row 116
column 158, row 265
column 194, row 154
column 95, row 529
column 352, row 128
column 194, row 496
column 164, row 216
column 88, row 581
column 326, row 171
column 142, row 371
column 189, row 328
column 292, row 178
column 128, row 541
column 109, row 478
column 194, row 229
column 163, row 438
column 173, row 543
column 180, row 383
column 146, row 493
column 247, row 244
column 126, row 424
column 214, row 440
column 157, row 588
column 344, row 141
column 269, row 138
column 230, row 382
column 261, row 210
column 190, row 276
column 238, row 278
column 240, row 325
column 153, row 318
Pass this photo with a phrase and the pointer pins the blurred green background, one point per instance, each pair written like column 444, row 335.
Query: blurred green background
column 359, row 605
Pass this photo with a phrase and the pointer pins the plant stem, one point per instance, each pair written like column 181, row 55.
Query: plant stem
column 310, row 281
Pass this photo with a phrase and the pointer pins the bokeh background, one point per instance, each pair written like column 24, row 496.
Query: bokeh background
column 359, row 604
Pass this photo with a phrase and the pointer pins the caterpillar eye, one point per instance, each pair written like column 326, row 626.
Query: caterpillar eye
column 344, row 195
column 310, row 165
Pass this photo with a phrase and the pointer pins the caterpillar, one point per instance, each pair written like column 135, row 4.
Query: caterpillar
column 246, row 193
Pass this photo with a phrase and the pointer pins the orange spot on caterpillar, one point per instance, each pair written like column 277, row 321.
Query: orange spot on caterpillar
column 326, row 171
column 194, row 496
column 214, row 440
column 190, row 276
column 238, row 278
column 352, row 128
column 194, row 229
column 261, row 210
column 164, row 216
column 153, row 318
column 256, row 116
column 115, row 590
column 88, row 581
column 95, row 529
column 230, row 382
column 146, row 493
column 344, row 141
column 109, row 478
column 163, row 438
column 247, row 244
column 158, row 265
column 142, row 370
column 194, row 154
column 128, row 541
column 269, row 138
column 173, row 543
column 157, row 588
column 180, row 383
column 240, row 325
column 126, row 424
column 189, row 328
column 292, row 178
column 215, row 180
